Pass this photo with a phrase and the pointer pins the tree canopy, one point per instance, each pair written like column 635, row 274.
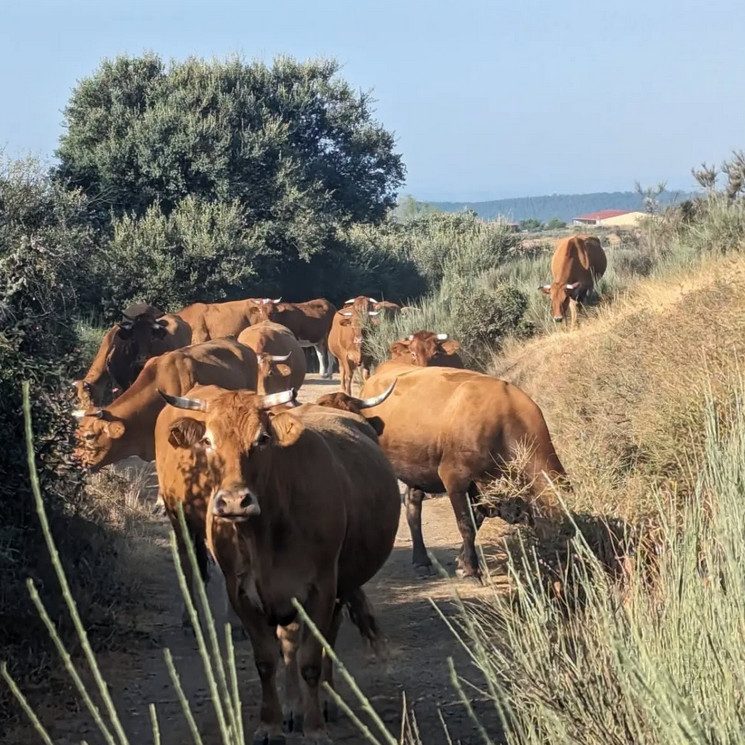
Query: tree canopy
column 291, row 146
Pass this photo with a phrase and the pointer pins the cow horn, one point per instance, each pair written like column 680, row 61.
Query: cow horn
column 276, row 399
column 345, row 314
column 572, row 285
column 80, row 413
column 373, row 300
column 348, row 302
column 181, row 402
column 368, row 403
column 278, row 357
column 411, row 337
column 373, row 312
column 276, row 300
column 442, row 337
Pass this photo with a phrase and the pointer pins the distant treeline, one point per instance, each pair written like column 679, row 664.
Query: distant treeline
column 565, row 207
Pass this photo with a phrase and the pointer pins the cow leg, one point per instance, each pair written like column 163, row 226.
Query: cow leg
column 573, row 313
column 457, row 487
column 320, row 606
column 331, row 359
column 413, row 504
column 330, row 709
column 265, row 647
column 324, row 363
column 289, row 637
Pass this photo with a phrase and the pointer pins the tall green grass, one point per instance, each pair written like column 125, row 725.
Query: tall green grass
column 658, row 660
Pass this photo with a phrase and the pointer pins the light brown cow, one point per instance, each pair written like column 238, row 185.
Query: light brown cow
column 138, row 339
column 346, row 344
column 577, row 264
column 218, row 320
column 281, row 358
column 309, row 321
column 454, row 431
column 427, row 349
column 364, row 304
column 304, row 505
column 126, row 427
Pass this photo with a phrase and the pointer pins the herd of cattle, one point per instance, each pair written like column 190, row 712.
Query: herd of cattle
column 301, row 500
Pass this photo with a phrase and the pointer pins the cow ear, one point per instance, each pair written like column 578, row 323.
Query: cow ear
column 399, row 348
column 546, row 289
column 450, row 346
column 115, row 430
column 186, row 432
column 345, row 322
column 286, row 429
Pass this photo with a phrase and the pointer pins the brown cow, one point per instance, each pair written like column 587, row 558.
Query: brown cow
column 346, row 343
column 126, row 427
column 138, row 339
column 577, row 264
column 454, row 431
column 309, row 321
column 218, row 320
column 427, row 349
column 94, row 388
column 281, row 358
column 364, row 304
column 304, row 505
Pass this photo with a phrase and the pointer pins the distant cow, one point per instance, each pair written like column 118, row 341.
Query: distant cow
column 454, row 431
column 427, row 349
column 346, row 343
column 280, row 356
column 304, row 504
column 217, row 320
column 309, row 321
column 363, row 304
column 125, row 427
column 143, row 334
column 577, row 264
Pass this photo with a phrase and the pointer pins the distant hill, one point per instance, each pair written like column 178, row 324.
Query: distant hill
column 563, row 206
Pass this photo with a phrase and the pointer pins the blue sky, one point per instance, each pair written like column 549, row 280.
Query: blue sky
column 488, row 99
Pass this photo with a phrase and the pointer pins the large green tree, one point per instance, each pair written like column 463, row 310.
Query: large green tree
column 293, row 143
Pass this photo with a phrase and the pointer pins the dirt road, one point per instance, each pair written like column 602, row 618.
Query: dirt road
column 419, row 644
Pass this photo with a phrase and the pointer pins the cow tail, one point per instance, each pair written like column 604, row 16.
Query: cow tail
column 361, row 615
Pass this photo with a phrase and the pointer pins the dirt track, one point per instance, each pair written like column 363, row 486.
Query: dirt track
column 419, row 644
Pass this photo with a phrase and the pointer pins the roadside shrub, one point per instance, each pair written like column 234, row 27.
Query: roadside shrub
column 656, row 660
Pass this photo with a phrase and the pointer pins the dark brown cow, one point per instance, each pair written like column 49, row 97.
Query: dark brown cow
column 94, row 388
column 454, row 431
column 126, row 427
column 304, row 505
column 138, row 339
column 309, row 321
column 428, row 349
column 577, row 264
column 281, row 358
column 218, row 320
column 346, row 343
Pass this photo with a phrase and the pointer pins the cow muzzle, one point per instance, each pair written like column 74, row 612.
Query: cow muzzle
column 235, row 504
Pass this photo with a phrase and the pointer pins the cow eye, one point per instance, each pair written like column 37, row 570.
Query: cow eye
column 206, row 442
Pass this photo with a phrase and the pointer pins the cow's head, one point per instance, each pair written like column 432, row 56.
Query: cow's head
column 356, row 321
column 135, row 342
column 237, row 435
column 263, row 309
column 425, row 348
column 97, row 435
column 561, row 293
column 274, row 372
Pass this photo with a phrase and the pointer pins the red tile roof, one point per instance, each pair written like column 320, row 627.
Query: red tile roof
column 602, row 214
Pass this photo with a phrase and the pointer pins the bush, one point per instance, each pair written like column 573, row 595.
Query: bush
column 651, row 661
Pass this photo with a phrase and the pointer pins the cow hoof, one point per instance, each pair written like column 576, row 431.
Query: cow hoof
column 292, row 721
column 470, row 575
column 330, row 712
column 261, row 737
column 423, row 570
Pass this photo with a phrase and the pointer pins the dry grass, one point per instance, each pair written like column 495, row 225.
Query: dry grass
column 624, row 395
